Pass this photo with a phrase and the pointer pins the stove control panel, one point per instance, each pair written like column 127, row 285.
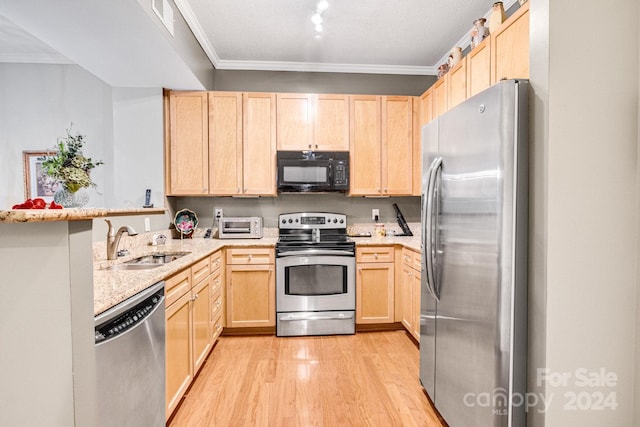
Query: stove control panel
column 304, row 220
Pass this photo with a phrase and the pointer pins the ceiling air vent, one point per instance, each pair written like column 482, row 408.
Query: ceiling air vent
column 163, row 9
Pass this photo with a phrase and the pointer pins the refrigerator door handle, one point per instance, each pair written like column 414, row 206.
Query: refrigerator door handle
column 430, row 213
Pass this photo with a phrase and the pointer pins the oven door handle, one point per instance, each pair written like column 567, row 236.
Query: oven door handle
column 292, row 317
column 313, row 252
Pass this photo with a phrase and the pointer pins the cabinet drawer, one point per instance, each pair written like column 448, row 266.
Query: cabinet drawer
column 374, row 254
column 417, row 261
column 177, row 285
column 407, row 257
column 217, row 327
column 200, row 270
column 216, row 261
column 250, row 256
column 216, row 306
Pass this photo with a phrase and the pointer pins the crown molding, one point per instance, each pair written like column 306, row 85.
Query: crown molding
column 324, row 67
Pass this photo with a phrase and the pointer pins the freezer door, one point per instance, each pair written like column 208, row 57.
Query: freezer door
column 473, row 324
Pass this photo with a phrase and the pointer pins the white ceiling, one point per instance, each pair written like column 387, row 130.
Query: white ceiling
column 370, row 36
column 112, row 39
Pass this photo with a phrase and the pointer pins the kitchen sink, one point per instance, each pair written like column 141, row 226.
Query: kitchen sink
column 148, row 262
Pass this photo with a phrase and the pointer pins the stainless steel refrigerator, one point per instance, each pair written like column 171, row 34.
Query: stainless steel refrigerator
column 473, row 320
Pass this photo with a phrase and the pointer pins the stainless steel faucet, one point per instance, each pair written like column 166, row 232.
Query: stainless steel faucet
column 113, row 238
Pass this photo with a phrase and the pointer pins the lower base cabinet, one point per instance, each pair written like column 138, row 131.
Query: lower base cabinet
column 375, row 284
column 193, row 305
column 251, row 288
column 410, row 292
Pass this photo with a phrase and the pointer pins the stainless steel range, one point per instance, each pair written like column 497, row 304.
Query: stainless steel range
column 315, row 275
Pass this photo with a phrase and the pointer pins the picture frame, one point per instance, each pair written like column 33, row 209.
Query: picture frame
column 37, row 184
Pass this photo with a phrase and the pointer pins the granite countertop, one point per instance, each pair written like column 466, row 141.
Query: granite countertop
column 111, row 287
column 51, row 215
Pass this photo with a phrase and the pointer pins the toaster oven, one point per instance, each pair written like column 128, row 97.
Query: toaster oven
column 249, row 227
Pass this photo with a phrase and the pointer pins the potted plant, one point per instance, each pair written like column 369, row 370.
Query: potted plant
column 72, row 169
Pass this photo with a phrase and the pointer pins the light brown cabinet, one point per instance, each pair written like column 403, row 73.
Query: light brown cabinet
column 224, row 146
column 381, row 145
column 440, row 101
column 410, row 292
column 225, row 143
column 479, row 68
column 187, row 144
column 191, row 312
column 510, row 47
column 457, row 87
column 259, row 144
column 375, row 284
column 312, row 122
column 251, row 292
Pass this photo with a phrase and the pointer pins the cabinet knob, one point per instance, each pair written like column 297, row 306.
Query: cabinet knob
column 204, row 190
column 250, row 257
column 375, row 256
column 245, row 189
column 238, row 190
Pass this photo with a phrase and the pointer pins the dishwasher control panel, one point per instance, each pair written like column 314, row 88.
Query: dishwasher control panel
column 128, row 319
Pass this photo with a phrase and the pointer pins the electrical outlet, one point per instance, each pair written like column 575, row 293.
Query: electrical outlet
column 147, row 224
column 375, row 214
column 218, row 213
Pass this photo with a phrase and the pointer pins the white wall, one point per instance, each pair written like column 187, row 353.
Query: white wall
column 123, row 128
column 583, row 276
column 37, row 105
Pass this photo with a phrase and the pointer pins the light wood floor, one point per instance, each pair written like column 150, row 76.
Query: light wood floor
column 367, row 379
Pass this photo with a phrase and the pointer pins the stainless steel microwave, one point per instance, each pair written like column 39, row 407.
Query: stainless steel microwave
column 305, row 171
column 240, row 227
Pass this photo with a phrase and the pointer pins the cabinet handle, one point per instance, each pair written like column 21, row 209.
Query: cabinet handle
column 309, row 145
column 250, row 257
column 384, row 190
column 245, row 189
column 375, row 256
column 238, row 190
column 316, row 145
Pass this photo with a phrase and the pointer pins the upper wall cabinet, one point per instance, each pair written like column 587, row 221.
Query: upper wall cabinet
column 242, row 138
column 312, row 122
column 225, row 143
column 187, row 145
column 259, row 144
column 503, row 55
column 225, row 146
column 510, row 47
column 381, row 145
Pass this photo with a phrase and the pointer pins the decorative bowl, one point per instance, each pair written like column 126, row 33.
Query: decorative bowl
column 185, row 221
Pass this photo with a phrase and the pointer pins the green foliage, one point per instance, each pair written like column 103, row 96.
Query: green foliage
column 69, row 165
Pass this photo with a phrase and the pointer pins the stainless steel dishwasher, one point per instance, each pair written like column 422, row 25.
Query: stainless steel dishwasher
column 130, row 361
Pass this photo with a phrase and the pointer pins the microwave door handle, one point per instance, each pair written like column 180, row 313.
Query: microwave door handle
column 330, row 167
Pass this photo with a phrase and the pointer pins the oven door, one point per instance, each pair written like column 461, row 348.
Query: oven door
column 315, row 283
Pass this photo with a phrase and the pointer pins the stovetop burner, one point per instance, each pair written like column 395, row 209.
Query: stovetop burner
column 313, row 230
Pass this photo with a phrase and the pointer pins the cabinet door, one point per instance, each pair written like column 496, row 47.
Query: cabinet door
column 415, row 329
column 510, row 47
column 407, row 298
column 479, row 68
column 457, row 83
column 331, row 123
column 179, row 367
column 188, row 145
column 251, row 296
column 397, row 145
column 374, row 293
column 440, row 105
column 294, row 121
column 201, row 322
column 417, row 148
column 225, row 143
column 365, row 138
column 426, row 107
column 259, row 144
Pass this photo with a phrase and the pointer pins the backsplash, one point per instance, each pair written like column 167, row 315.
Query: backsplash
column 357, row 209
